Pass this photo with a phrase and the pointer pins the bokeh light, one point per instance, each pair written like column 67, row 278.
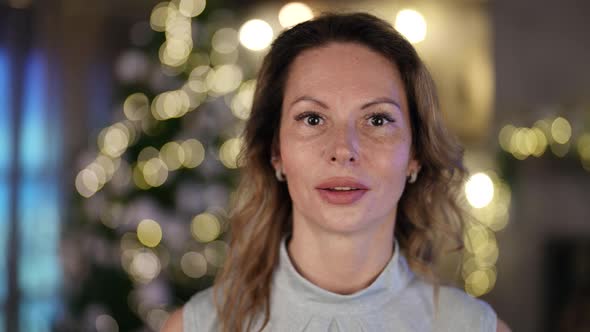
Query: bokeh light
column 173, row 155
column 561, row 130
column 87, row 183
column 194, row 153
column 106, row 323
column 225, row 40
column 256, row 35
column 479, row 190
column 191, row 8
column 155, row 172
column 216, row 252
column 229, row 151
column 224, row 79
column 241, row 103
column 411, row 24
column 193, row 264
column 149, row 233
column 113, row 140
column 145, row 266
column 136, row 106
column 294, row 13
column 205, row 227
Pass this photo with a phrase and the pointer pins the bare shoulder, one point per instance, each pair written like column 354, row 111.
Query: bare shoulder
column 502, row 327
column 174, row 322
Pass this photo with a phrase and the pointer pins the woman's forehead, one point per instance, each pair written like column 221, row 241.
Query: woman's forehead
column 343, row 70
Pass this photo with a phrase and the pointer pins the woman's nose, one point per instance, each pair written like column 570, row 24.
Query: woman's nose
column 344, row 146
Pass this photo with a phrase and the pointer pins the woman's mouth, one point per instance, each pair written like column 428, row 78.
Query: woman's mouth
column 342, row 190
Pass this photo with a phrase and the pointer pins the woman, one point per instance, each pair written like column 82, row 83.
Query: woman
column 348, row 191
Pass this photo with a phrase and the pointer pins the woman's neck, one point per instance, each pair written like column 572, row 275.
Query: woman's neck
column 341, row 263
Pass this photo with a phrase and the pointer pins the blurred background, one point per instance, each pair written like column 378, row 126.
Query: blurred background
column 120, row 122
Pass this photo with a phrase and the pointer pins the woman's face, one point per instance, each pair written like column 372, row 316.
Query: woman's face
column 344, row 125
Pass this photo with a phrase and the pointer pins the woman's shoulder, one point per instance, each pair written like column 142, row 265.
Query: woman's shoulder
column 197, row 314
column 457, row 310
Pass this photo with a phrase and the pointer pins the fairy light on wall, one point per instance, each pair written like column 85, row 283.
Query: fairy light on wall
column 411, row 24
column 256, row 35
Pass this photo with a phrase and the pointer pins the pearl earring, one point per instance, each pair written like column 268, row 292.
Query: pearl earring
column 279, row 175
column 413, row 176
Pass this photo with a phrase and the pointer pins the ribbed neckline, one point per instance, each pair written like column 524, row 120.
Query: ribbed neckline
column 291, row 288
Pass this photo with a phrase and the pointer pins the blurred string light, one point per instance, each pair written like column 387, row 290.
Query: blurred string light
column 171, row 104
column 522, row 142
column 94, row 176
column 411, row 24
column 149, row 233
column 193, row 264
column 229, row 151
column 241, row 103
column 294, row 13
column 223, row 79
column 106, row 323
column 156, row 318
column 225, row 40
column 153, row 166
column 216, row 252
column 256, row 35
column 205, row 227
column 136, row 106
column 584, row 150
column 489, row 199
column 480, row 190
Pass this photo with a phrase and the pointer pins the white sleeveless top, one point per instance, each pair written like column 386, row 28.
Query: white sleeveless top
column 397, row 301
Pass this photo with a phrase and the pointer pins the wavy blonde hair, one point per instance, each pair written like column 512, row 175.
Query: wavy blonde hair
column 428, row 210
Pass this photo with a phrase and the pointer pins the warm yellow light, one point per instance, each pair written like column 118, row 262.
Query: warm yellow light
column 476, row 237
column 224, row 79
column 294, row 13
column 225, row 40
column 584, row 146
column 100, row 173
column 113, row 141
column 479, row 190
column 191, row 8
column 193, row 264
column 138, row 177
column 173, row 155
column 149, row 233
column 160, row 15
column 194, row 153
column 171, row 104
column 478, row 283
column 87, row 183
column 561, row 130
column 541, row 142
column 560, row 150
column 155, row 172
column 175, row 52
column 241, row 104
column 228, row 153
column 205, row 227
column 106, row 323
column 505, row 136
column 411, row 24
column 148, row 153
column 136, row 106
column 256, row 35
column 145, row 266
column 216, row 252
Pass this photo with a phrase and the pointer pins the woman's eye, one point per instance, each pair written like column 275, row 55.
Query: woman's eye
column 378, row 120
column 311, row 119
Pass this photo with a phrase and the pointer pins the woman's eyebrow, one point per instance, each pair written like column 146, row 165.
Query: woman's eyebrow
column 382, row 100
column 308, row 98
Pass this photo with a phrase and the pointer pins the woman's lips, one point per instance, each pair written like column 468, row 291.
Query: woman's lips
column 341, row 197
